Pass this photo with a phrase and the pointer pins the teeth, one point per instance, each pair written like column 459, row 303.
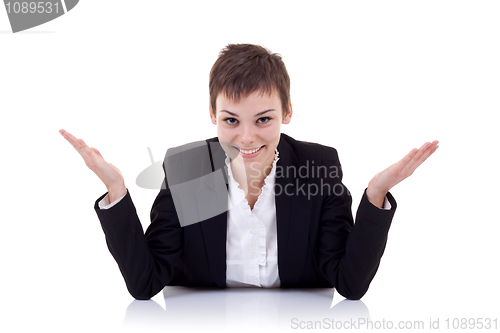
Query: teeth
column 249, row 151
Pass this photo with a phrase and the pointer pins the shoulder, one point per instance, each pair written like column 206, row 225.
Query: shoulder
column 305, row 150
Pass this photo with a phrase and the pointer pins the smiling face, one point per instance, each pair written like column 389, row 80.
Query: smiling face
column 251, row 127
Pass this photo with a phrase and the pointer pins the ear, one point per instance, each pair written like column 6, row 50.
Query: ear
column 288, row 116
column 212, row 118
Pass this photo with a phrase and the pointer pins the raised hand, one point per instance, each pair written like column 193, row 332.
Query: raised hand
column 107, row 172
column 388, row 178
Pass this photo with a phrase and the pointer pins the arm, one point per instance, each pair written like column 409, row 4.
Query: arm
column 147, row 262
column 364, row 247
column 350, row 253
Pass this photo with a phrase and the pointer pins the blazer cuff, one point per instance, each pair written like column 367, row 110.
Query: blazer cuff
column 369, row 213
column 121, row 210
column 105, row 204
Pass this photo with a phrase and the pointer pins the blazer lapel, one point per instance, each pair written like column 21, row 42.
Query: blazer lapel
column 293, row 212
column 215, row 229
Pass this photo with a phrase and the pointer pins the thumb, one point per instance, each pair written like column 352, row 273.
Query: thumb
column 97, row 152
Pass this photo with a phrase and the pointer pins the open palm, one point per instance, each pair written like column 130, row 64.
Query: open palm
column 107, row 172
column 383, row 181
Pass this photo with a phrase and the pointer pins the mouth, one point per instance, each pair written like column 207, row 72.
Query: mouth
column 248, row 152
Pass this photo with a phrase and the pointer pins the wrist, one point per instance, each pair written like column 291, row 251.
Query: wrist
column 116, row 191
column 376, row 196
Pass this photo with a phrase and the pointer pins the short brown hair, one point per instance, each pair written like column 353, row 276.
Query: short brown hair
column 242, row 69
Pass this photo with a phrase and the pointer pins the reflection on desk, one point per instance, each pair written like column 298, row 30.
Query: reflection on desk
column 239, row 309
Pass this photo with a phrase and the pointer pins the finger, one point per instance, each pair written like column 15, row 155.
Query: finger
column 66, row 135
column 97, row 152
column 434, row 148
column 71, row 139
column 424, row 152
column 80, row 145
column 428, row 151
column 405, row 160
column 419, row 153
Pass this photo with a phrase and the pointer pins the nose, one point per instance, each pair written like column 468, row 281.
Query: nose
column 247, row 135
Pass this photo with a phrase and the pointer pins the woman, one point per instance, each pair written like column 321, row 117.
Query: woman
column 283, row 218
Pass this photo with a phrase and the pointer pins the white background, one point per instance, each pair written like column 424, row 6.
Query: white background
column 373, row 79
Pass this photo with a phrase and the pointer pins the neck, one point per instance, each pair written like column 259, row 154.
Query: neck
column 250, row 177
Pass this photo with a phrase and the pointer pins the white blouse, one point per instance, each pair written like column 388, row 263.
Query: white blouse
column 252, row 240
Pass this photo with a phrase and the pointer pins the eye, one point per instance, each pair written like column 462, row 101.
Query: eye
column 265, row 120
column 231, row 121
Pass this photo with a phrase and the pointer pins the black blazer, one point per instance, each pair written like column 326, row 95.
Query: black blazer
column 319, row 245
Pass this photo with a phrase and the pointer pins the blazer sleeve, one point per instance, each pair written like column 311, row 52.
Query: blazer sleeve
column 146, row 261
column 350, row 253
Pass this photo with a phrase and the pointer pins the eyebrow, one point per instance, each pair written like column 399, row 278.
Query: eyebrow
column 258, row 114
